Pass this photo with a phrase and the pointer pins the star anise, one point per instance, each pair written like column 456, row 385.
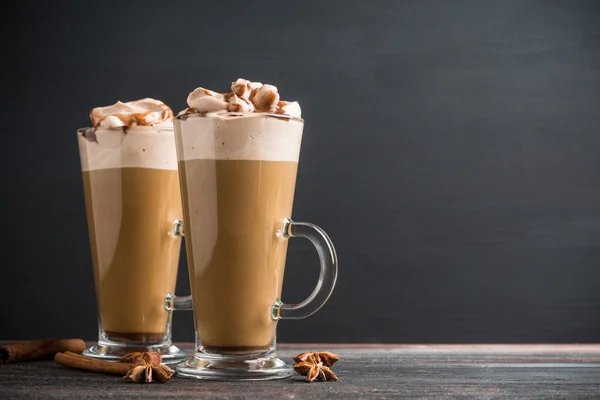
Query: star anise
column 146, row 367
column 315, row 366
column 326, row 357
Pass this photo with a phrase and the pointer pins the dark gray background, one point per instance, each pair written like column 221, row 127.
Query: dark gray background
column 451, row 151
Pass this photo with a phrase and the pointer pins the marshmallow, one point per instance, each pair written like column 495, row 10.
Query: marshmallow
column 242, row 88
column 266, row 98
column 239, row 104
column 254, row 86
column 205, row 100
column 245, row 97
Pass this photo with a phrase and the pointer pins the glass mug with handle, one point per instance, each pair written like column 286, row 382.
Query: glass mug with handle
column 133, row 208
column 238, row 175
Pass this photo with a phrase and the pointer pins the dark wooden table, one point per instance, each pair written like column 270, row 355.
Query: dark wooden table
column 365, row 371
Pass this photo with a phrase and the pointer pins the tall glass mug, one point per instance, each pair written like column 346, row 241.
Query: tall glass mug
column 238, row 175
column 133, row 205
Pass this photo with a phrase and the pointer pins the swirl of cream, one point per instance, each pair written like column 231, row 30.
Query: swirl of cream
column 144, row 112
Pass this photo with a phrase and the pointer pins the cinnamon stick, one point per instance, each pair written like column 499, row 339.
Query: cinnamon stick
column 78, row 361
column 39, row 349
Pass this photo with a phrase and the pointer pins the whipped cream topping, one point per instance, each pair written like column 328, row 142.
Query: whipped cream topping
column 245, row 97
column 144, row 112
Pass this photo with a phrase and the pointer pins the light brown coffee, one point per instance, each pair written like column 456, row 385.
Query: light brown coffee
column 135, row 255
column 233, row 210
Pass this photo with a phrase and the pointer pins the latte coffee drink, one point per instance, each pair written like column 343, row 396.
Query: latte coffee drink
column 238, row 174
column 238, row 157
column 236, row 260
column 132, row 199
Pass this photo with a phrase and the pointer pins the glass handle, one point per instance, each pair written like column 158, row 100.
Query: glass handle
column 173, row 302
column 327, row 277
column 178, row 230
column 177, row 303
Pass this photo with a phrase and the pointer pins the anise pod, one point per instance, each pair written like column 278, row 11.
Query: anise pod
column 139, row 374
column 162, row 373
column 327, row 374
column 303, row 367
column 142, row 358
column 313, row 373
column 328, row 358
column 153, row 358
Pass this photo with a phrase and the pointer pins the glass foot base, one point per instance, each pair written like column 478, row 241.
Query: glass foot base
column 113, row 351
column 218, row 367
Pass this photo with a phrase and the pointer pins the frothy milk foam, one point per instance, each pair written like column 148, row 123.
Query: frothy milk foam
column 255, row 136
column 136, row 147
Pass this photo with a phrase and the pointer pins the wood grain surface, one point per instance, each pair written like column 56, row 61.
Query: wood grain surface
column 365, row 371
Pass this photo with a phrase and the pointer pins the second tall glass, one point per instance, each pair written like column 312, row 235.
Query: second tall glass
column 133, row 203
